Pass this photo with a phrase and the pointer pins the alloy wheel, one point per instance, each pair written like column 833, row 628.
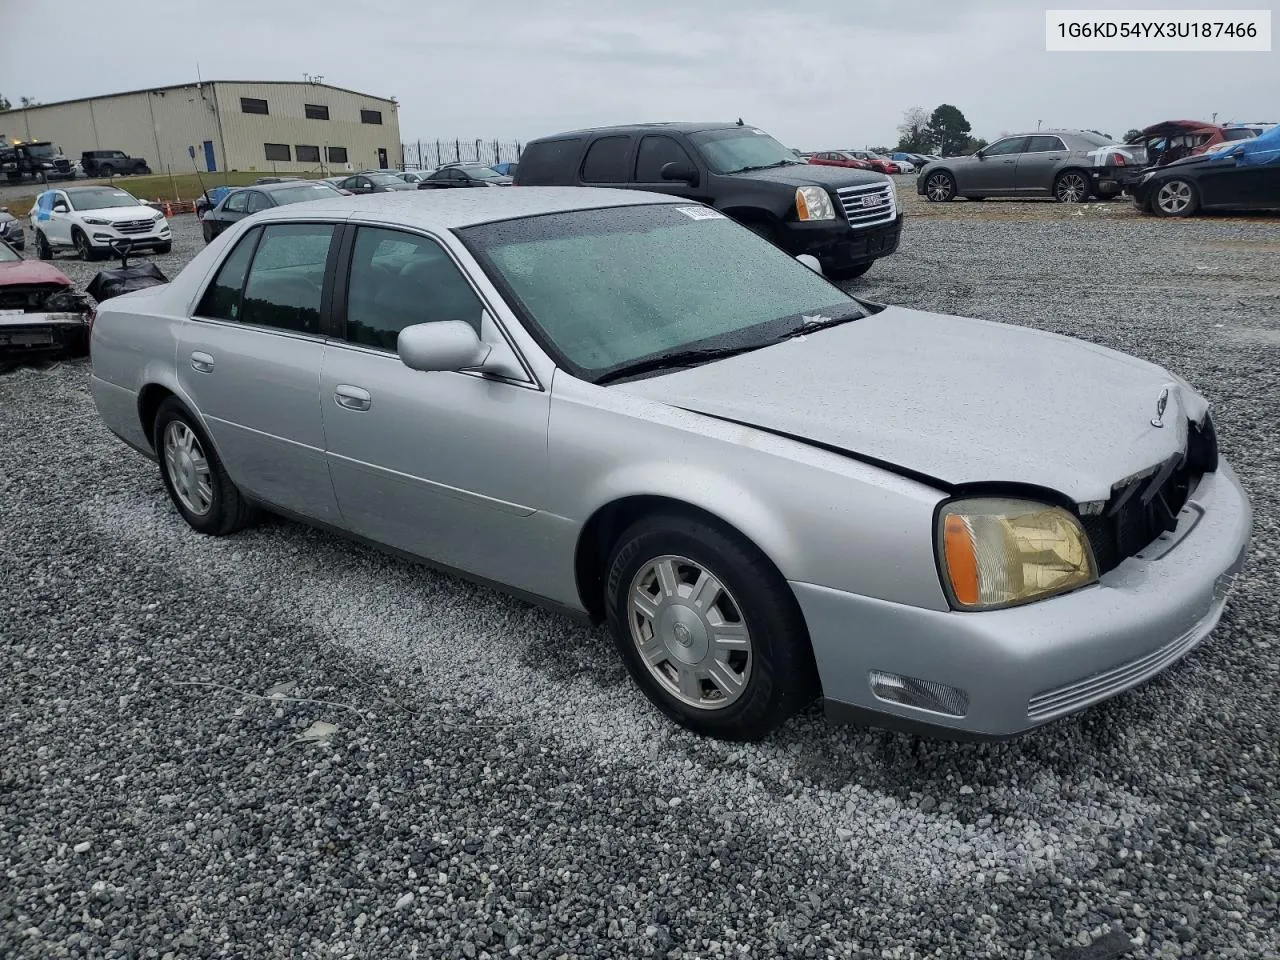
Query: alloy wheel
column 939, row 187
column 188, row 468
column 690, row 632
column 1174, row 197
column 1073, row 188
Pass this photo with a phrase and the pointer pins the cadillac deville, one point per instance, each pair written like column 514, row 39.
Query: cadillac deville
column 628, row 407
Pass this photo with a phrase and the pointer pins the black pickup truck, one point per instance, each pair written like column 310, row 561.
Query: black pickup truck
column 846, row 218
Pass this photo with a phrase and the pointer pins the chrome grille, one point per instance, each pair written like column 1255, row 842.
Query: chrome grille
column 1072, row 696
column 869, row 204
column 134, row 226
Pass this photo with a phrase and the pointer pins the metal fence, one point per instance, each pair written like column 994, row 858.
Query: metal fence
column 424, row 154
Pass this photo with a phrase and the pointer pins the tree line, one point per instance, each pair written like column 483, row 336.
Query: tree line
column 946, row 133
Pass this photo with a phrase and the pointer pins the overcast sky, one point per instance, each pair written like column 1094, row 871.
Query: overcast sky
column 817, row 74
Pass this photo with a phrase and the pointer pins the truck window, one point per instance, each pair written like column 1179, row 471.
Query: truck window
column 606, row 161
column 548, row 162
column 655, row 153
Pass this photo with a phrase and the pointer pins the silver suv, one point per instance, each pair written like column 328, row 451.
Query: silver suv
column 1069, row 165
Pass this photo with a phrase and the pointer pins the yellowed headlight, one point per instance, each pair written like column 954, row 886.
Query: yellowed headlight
column 997, row 552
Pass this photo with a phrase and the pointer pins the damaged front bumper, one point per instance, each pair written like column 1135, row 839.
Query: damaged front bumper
column 25, row 336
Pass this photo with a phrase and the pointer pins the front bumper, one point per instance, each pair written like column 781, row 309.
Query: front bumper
column 106, row 236
column 839, row 245
column 1025, row 666
column 26, row 336
column 14, row 235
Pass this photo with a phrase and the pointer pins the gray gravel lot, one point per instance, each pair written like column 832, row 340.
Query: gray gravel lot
column 491, row 783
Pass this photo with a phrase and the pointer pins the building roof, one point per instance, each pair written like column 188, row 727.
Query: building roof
column 452, row 209
column 207, row 83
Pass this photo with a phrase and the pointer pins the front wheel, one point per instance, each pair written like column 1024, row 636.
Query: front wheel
column 43, row 250
column 846, row 273
column 708, row 628
column 1176, row 198
column 1071, row 187
column 193, row 474
column 83, row 247
column 940, row 187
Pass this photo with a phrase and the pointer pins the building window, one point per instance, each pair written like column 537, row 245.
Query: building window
column 371, row 116
column 307, row 154
column 316, row 111
column 277, row 151
column 337, row 154
column 252, row 105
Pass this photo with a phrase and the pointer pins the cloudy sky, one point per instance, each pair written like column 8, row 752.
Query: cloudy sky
column 815, row 74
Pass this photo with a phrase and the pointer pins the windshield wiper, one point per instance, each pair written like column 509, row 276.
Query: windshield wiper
column 674, row 358
column 765, row 166
column 821, row 321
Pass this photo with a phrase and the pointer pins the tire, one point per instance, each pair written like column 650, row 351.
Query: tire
column 940, row 187
column 1071, row 186
column 164, row 248
column 766, row 671
column 83, row 247
column 43, row 250
column 194, row 460
column 840, row 274
column 1175, row 197
column 207, row 230
column 142, row 170
column 106, row 170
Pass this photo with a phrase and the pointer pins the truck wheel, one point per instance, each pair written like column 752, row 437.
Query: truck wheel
column 43, row 250
column 106, row 170
column 846, row 273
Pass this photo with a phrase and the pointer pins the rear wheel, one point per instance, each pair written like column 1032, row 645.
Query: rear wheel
column 1176, row 198
column 194, row 476
column 940, row 187
column 106, row 170
column 1072, row 186
column 707, row 627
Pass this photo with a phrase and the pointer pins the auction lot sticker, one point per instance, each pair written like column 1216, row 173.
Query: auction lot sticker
column 1158, row 31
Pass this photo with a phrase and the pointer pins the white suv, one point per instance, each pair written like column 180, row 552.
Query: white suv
column 92, row 220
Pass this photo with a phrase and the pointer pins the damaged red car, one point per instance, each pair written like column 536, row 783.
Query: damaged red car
column 42, row 315
column 1174, row 139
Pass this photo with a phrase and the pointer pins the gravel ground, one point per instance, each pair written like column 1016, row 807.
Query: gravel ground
column 283, row 745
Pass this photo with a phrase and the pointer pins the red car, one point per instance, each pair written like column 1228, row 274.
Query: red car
column 874, row 161
column 839, row 158
column 41, row 314
column 1175, row 139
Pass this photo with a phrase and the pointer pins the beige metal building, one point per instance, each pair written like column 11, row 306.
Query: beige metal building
column 269, row 126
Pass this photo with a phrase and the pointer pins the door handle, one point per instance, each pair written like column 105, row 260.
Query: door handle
column 352, row 398
column 201, row 362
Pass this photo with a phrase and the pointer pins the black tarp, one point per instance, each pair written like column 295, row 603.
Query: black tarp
column 112, row 283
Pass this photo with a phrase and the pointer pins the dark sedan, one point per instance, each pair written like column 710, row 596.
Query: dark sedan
column 464, row 175
column 239, row 204
column 11, row 231
column 362, row 183
column 1237, row 176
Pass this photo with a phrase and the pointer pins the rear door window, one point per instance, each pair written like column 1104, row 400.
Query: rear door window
column 287, row 276
column 1044, row 144
column 606, row 160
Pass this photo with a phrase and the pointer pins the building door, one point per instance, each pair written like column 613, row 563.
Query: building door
column 382, row 158
column 210, row 161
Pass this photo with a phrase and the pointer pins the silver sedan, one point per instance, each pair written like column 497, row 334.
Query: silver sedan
column 627, row 407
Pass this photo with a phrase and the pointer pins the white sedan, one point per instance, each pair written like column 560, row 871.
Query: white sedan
column 94, row 220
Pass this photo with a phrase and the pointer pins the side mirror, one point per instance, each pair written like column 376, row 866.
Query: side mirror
column 61, row 208
column 680, row 173
column 981, row 154
column 445, row 345
column 812, row 262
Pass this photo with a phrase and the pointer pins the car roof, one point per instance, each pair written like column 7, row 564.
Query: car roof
column 677, row 126
column 451, row 209
column 281, row 185
column 85, row 188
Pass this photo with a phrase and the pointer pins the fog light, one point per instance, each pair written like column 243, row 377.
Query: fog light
column 921, row 694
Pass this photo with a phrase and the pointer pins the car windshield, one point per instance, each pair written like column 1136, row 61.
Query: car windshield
column 101, row 198
column 303, row 192
column 8, row 254
column 42, row 150
column 610, row 287
column 479, row 172
column 737, row 149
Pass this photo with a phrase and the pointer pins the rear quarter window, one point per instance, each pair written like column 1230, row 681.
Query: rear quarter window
column 549, row 162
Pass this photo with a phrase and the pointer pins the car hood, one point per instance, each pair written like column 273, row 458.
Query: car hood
column 811, row 174
column 951, row 400
column 119, row 214
column 31, row 271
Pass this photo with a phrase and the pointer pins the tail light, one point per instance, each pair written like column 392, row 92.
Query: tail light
column 1120, row 160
